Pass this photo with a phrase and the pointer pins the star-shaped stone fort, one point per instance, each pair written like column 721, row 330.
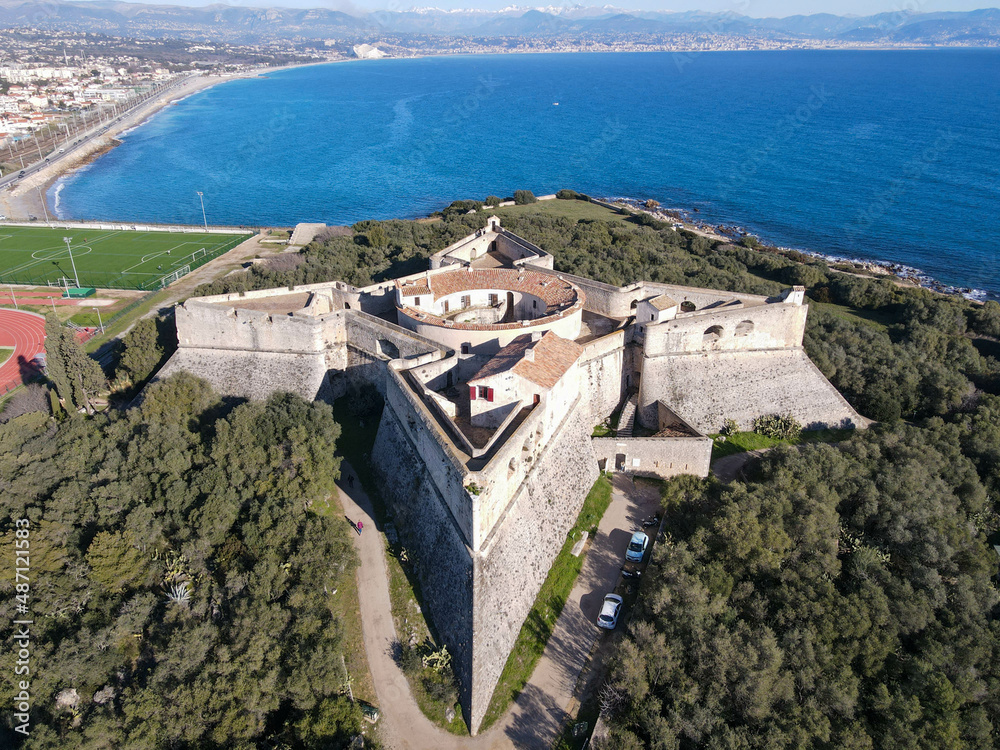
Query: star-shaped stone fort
column 495, row 369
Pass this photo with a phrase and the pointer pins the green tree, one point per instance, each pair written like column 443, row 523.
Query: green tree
column 523, row 197
column 77, row 377
column 141, row 352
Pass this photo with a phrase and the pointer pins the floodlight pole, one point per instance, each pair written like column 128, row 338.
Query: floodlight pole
column 12, row 297
column 203, row 217
column 99, row 320
column 45, row 209
column 72, row 262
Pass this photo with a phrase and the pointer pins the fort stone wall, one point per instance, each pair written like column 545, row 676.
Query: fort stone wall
column 252, row 375
column 435, row 546
column 707, row 388
column 510, row 569
column 772, row 326
column 443, row 462
column 602, row 374
column 216, row 327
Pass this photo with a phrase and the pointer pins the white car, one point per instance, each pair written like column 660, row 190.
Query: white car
column 637, row 547
column 609, row 612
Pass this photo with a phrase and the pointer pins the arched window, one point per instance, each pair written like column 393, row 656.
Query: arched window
column 712, row 334
column 688, row 306
column 635, row 304
column 744, row 328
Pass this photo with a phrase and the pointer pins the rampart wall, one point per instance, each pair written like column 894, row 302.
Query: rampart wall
column 602, row 374
column 510, row 569
column 436, row 549
column 506, row 470
column 253, row 375
column 619, row 302
column 216, row 327
column 708, row 388
column 444, row 465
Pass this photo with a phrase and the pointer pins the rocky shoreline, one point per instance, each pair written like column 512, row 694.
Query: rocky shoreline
column 899, row 272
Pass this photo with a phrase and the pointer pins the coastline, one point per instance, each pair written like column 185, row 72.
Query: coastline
column 29, row 197
column 899, row 273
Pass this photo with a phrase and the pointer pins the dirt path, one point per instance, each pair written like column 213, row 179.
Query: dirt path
column 545, row 704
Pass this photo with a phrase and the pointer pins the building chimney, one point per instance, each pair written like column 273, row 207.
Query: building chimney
column 529, row 354
column 536, row 336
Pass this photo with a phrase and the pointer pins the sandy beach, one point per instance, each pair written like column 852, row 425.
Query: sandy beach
column 26, row 199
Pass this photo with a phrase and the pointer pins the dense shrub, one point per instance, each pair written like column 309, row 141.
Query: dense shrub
column 184, row 585
column 842, row 598
column 777, row 426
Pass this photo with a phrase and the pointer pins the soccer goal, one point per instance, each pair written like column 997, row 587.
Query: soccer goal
column 197, row 254
column 170, row 278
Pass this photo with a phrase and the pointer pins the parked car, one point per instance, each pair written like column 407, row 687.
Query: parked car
column 609, row 612
column 637, row 547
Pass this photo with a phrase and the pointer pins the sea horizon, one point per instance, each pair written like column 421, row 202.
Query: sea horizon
column 861, row 154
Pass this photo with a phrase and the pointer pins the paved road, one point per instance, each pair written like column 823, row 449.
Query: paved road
column 96, row 131
column 25, row 332
column 551, row 696
column 547, row 701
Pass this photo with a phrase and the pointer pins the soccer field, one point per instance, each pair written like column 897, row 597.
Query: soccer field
column 106, row 258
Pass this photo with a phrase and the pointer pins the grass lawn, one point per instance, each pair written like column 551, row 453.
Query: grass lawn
column 5, row 352
column 574, row 210
column 548, row 605
column 870, row 318
column 104, row 258
column 742, row 442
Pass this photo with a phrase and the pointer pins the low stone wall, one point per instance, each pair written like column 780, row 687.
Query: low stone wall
column 655, row 457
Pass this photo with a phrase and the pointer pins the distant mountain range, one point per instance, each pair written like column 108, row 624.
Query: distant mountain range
column 248, row 25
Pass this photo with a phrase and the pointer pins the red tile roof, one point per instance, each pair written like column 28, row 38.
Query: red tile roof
column 558, row 295
column 553, row 291
column 553, row 356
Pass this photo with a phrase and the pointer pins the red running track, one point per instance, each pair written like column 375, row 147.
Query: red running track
column 26, row 333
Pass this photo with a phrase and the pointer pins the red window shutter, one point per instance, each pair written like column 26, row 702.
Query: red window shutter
column 489, row 394
column 472, row 393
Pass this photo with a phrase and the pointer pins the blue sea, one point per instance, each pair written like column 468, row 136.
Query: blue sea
column 889, row 155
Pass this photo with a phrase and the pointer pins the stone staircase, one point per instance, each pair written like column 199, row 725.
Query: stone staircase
column 626, row 422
